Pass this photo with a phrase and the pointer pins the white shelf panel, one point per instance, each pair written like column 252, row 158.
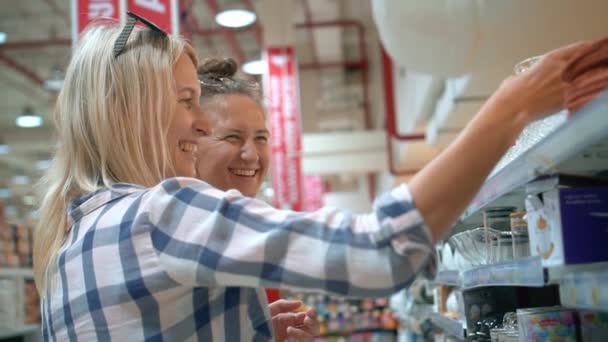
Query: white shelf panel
column 449, row 326
column 569, row 141
column 585, row 290
column 448, row 277
column 20, row 331
column 21, row 272
column 521, row 272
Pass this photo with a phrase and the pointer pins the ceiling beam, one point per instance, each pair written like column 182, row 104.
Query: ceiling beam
column 36, row 44
column 23, row 70
column 58, row 11
column 256, row 25
column 311, row 33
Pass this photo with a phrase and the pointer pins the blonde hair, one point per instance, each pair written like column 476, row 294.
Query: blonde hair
column 112, row 118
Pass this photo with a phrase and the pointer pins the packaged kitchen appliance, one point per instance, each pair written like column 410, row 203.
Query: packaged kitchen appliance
column 568, row 219
column 547, row 324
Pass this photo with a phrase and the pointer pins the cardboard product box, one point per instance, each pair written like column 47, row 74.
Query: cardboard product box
column 567, row 225
column 547, row 324
column 594, row 326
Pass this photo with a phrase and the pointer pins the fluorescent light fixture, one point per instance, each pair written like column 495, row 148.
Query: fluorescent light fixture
column 43, row 164
column 235, row 18
column 256, row 67
column 29, row 120
column 4, row 149
column 21, row 180
column 5, row 193
column 29, row 200
column 3, row 37
column 54, row 85
column 55, row 80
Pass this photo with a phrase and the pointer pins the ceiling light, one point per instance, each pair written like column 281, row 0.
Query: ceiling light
column 54, row 85
column 29, row 200
column 235, row 18
column 2, row 37
column 5, row 193
column 256, row 67
column 43, row 164
column 55, row 80
column 28, row 119
column 4, row 149
column 21, row 180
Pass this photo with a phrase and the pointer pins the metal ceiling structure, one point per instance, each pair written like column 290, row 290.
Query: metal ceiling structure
column 332, row 39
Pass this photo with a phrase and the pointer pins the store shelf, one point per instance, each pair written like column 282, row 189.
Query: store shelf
column 450, row 326
column 22, row 272
column 521, row 272
column 20, row 331
column 360, row 331
column 448, row 277
column 585, row 289
column 566, row 142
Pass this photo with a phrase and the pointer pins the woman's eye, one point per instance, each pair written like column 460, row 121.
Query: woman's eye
column 262, row 139
column 187, row 103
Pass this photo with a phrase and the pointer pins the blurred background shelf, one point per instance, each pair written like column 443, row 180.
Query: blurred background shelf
column 20, row 331
column 578, row 145
column 450, row 326
column 24, row 272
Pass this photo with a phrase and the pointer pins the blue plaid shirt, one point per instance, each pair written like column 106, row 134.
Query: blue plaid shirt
column 183, row 261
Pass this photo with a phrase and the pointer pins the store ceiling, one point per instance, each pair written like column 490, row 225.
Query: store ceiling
column 38, row 42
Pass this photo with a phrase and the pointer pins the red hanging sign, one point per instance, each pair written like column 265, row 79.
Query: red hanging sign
column 313, row 192
column 163, row 13
column 85, row 12
column 281, row 86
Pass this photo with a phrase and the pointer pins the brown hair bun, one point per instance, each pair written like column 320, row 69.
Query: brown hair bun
column 218, row 68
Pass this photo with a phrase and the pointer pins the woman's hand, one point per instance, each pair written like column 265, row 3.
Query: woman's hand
column 292, row 326
column 466, row 163
column 539, row 91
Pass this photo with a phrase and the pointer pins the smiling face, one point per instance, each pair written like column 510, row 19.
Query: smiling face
column 189, row 124
column 236, row 153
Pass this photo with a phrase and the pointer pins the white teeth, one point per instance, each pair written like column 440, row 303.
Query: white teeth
column 188, row 146
column 243, row 172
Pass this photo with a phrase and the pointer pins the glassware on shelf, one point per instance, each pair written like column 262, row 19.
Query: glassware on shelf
column 474, row 246
column 498, row 217
column 504, row 250
column 509, row 321
column 526, row 64
column 507, row 330
column 520, row 238
column 530, row 136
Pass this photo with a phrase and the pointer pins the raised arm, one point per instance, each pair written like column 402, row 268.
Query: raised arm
column 206, row 237
column 444, row 188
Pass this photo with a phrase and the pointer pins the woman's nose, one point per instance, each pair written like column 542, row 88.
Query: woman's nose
column 202, row 124
column 249, row 152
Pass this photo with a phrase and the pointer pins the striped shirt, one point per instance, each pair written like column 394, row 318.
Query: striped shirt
column 183, row 261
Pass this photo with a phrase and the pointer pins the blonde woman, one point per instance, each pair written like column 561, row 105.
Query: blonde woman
column 130, row 248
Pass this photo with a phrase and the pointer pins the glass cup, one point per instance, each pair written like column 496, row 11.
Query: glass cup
column 526, row 64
